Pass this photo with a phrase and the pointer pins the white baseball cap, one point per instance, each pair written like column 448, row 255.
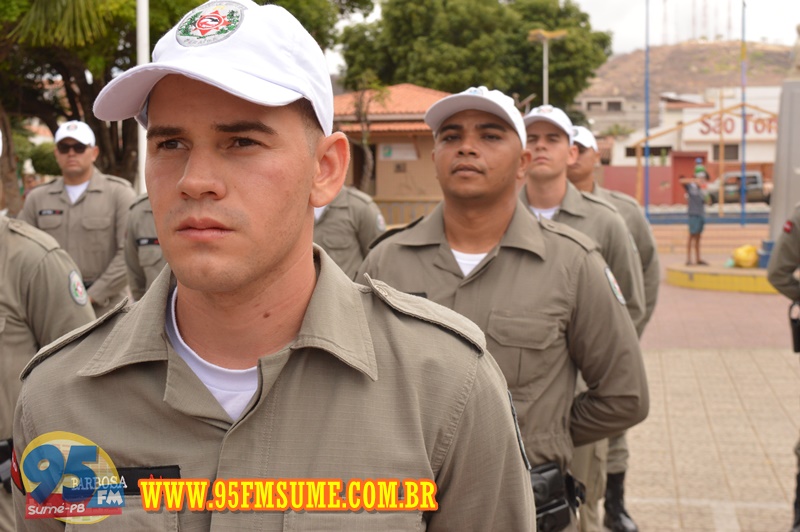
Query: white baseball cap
column 77, row 130
column 585, row 138
column 480, row 99
column 551, row 114
column 261, row 54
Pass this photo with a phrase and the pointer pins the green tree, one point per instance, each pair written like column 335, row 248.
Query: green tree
column 56, row 56
column 453, row 44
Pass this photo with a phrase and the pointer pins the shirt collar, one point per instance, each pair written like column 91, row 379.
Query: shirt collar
column 334, row 322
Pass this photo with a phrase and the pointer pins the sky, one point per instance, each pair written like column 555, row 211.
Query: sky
column 773, row 21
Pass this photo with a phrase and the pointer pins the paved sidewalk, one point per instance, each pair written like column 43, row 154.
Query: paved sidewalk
column 716, row 452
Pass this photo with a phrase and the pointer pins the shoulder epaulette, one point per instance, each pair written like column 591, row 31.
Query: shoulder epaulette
column 624, row 197
column 54, row 346
column 393, row 231
column 119, row 180
column 600, row 201
column 28, row 231
column 360, row 195
column 139, row 199
column 425, row 310
column 573, row 234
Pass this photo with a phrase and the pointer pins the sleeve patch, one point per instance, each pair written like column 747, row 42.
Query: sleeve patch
column 612, row 281
column 76, row 289
column 788, row 226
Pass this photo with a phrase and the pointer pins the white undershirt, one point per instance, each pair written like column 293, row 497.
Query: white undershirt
column 233, row 388
column 75, row 191
column 318, row 211
column 547, row 213
column 467, row 261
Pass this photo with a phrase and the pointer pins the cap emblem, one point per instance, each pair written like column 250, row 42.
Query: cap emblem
column 210, row 23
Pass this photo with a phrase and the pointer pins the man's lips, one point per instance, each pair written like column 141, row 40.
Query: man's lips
column 202, row 229
column 466, row 168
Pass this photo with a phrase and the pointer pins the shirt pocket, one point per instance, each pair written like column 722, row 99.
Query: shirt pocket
column 353, row 521
column 133, row 517
column 149, row 255
column 98, row 231
column 337, row 241
column 524, row 345
column 49, row 222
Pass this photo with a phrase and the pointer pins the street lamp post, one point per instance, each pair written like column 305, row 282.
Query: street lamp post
column 545, row 37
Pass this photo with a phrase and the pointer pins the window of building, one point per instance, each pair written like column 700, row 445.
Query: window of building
column 655, row 151
column 731, row 152
column 614, row 106
column 594, row 106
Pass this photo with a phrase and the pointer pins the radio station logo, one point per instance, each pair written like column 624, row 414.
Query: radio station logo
column 70, row 478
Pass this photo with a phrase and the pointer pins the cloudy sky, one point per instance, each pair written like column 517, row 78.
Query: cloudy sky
column 772, row 21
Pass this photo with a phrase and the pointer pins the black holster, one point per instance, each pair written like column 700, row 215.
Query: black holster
column 794, row 324
column 6, row 446
column 557, row 496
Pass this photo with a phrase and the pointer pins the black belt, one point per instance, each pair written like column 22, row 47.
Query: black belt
column 557, row 496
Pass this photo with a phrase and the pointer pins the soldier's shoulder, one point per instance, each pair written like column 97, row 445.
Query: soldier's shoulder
column 566, row 232
column 141, row 202
column 596, row 200
column 623, row 198
column 431, row 314
column 119, row 181
column 359, row 196
column 32, row 234
column 394, row 231
column 54, row 349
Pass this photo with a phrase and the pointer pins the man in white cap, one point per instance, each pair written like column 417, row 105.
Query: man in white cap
column 549, row 194
column 252, row 356
column 86, row 211
column 538, row 290
column 594, row 461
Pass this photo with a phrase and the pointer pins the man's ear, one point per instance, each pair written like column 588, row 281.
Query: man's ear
column 572, row 156
column 525, row 159
column 333, row 158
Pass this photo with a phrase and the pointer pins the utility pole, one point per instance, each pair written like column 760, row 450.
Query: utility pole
column 545, row 37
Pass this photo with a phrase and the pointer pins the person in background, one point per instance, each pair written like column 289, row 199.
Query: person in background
column 86, row 211
column 346, row 227
column 697, row 216
column 143, row 257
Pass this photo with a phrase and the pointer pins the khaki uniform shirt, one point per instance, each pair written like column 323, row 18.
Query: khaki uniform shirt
column 143, row 256
column 548, row 310
column 785, row 258
column 347, row 227
column 92, row 231
column 378, row 384
column 41, row 298
column 645, row 243
column 602, row 223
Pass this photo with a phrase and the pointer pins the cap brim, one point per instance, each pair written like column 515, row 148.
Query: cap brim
column 528, row 120
column 126, row 95
column 450, row 105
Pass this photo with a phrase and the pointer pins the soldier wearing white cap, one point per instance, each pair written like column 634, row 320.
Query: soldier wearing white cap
column 592, row 462
column 86, row 211
column 539, row 290
column 252, row 355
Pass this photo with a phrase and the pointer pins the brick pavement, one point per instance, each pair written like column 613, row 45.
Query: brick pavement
column 715, row 453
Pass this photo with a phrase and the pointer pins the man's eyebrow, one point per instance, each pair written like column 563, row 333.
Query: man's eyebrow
column 245, row 126
column 242, row 126
column 163, row 131
column 493, row 125
column 449, row 127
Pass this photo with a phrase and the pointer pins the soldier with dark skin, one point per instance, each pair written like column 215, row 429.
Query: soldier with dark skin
column 782, row 274
column 539, row 290
column 591, row 460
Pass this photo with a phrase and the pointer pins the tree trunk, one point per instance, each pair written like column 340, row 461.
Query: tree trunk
column 8, row 167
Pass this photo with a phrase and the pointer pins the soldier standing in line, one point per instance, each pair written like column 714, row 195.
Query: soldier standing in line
column 42, row 297
column 346, row 226
column 783, row 263
column 592, row 461
column 143, row 257
column 539, row 290
column 549, row 194
column 86, row 212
